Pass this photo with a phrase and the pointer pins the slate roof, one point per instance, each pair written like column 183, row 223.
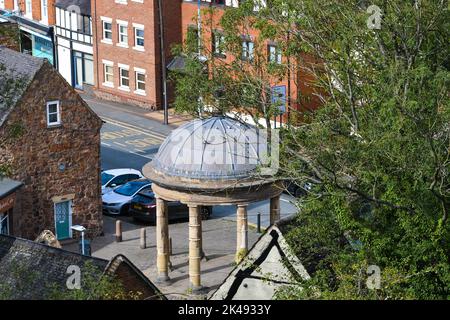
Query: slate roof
column 20, row 67
column 84, row 5
column 8, row 186
column 30, row 270
column 269, row 265
column 34, row 271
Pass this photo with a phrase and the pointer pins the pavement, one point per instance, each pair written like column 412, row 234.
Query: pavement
column 219, row 237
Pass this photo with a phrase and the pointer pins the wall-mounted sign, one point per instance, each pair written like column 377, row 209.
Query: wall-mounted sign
column 279, row 98
column 7, row 203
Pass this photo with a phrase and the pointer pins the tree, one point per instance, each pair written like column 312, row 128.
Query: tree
column 231, row 72
column 377, row 152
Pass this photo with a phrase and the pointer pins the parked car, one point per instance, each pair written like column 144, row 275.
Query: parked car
column 143, row 208
column 296, row 190
column 116, row 177
column 118, row 200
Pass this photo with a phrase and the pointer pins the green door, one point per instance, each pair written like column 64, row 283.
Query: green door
column 62, row 220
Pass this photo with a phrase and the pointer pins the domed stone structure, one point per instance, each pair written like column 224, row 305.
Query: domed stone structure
column 206, row 162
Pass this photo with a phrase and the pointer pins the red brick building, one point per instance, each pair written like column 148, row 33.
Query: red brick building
column 127, row 51
column 296, row 88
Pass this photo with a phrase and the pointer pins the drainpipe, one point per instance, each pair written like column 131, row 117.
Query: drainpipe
column 94, row 25
column 163, row 63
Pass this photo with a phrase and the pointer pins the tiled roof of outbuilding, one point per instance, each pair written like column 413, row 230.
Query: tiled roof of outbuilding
column 30, row 270
column 17, row 70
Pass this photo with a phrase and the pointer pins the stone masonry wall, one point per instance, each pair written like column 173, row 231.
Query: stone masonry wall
column 38, row 152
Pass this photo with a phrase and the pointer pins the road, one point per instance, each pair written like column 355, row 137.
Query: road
column 124, row 145
column 130, row 139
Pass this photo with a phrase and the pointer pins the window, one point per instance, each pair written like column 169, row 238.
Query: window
column 53, row 113
column 4, row 220
column 28, row 8
column 107, row 31
column 123, row 34
column 84, row 24
column 124, row 78
column 140, row 82
column 139, row 38
column 247, row 50
column 274, row 54
column 44, row 11
column 218, row 44
column 109, row 74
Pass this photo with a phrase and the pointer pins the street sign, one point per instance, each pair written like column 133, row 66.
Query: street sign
column 279, row 98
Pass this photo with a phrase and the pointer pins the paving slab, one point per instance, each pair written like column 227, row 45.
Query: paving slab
column 219, row 244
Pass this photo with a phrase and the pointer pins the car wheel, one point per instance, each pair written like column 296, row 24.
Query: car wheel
column 205, row 212
column 299, row 192
column 124, row 210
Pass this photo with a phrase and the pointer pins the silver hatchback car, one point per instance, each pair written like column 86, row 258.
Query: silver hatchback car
column 117, row 201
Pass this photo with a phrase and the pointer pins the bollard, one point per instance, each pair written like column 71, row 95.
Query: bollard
column 143, row 238
column 118, row 231
column 259, row 222
column 170, row 246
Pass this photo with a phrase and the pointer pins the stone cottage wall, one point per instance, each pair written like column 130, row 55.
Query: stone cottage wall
column 38, row 153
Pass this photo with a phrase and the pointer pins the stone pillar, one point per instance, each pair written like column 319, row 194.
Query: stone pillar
column 274, row 209
column 162, row 240
column 241, row 232
column 195, row 252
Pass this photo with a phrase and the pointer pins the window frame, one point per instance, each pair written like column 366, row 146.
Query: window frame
column 105, row 73
column 122, row 34
column 136, row 37
column 48, row 113
column 137, row 81
column 121, row 77
column 107, row 31
column 278, row 55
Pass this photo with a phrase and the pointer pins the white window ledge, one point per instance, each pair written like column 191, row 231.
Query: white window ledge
column 141, row 49
column 108, row 84
column 122, row 45
column 127, row 89
column 140, row 92
column 105, row 41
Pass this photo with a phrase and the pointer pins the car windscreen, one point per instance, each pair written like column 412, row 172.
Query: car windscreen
column 143, row 199
column 106, row 177
column 129, row 189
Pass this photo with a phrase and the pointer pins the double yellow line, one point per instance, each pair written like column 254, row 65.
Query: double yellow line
column 158, row 136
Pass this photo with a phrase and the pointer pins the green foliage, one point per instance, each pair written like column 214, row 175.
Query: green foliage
column 215, row 83
column 94, row 286
column 377, row 152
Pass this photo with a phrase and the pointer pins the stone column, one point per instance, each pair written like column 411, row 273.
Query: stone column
column 162, row 240
column 241, row 232
column 274, row 209
column 195, row 252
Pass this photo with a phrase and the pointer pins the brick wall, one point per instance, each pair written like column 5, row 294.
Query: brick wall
column 301, row 81
column 149, row 60
column 36, row 9
column 38, row 152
